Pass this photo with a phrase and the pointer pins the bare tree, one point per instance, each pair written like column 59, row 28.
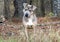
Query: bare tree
column 42, row 8
column 7, row 9
column 51, row 2
column 18, row 4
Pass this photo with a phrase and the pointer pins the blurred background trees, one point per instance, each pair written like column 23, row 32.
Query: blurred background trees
column 13, row 8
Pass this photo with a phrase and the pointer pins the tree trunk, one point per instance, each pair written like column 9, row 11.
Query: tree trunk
column 42, row 8
column 7, row 9
column 18, row 4
column 51, row 2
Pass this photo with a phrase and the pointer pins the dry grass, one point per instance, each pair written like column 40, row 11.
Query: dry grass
column 49, row 33
column 43, row 33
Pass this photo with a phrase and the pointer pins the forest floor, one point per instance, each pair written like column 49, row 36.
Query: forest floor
column 47, row 30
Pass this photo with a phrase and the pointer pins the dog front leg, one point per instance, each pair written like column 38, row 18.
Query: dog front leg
column 34, row 32
column 26, row 32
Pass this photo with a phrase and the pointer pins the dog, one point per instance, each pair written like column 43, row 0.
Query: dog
column 29, row 17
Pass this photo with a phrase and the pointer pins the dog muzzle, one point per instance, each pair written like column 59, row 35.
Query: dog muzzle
column 26, row 15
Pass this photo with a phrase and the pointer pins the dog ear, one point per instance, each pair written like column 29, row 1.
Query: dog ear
column 33, row 7
column 25, row 4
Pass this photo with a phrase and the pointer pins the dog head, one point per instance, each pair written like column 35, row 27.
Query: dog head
column 28, row 9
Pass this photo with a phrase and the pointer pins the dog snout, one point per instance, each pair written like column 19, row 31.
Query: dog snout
column 26, row 15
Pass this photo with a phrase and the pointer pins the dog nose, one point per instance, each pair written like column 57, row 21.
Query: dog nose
column 26, row 15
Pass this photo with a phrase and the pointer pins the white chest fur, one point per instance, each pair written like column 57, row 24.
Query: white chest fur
column 31, row 21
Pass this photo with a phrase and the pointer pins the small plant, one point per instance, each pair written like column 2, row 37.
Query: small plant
column 50, row 14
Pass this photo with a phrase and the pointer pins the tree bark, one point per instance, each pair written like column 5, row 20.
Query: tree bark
column 18, row 4
column 7, row 9
column 42, row 8
column 51, row 2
